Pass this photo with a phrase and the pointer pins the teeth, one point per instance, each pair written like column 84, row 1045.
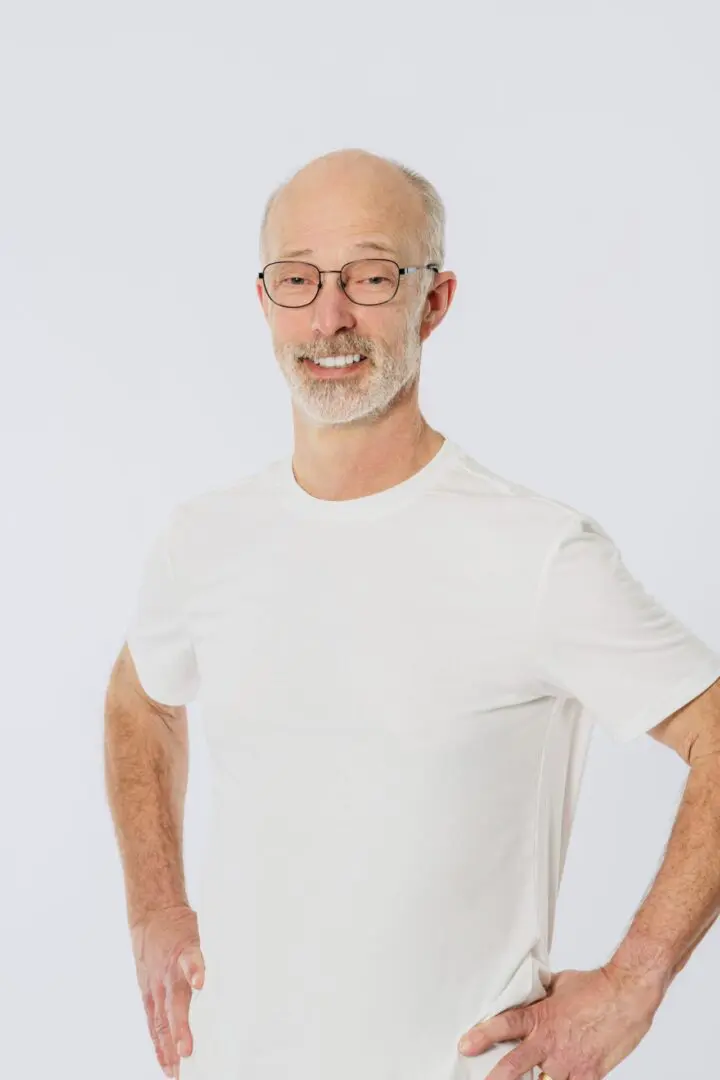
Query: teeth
column 337, row 361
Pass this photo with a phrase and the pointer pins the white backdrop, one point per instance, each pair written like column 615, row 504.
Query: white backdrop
column 575, row 145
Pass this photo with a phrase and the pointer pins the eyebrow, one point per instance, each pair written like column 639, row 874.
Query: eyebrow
column 374, row 245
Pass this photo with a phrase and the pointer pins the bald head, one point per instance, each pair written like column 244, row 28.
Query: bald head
column 350, row 195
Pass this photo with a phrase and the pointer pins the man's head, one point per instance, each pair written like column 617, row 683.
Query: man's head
column 327, row 212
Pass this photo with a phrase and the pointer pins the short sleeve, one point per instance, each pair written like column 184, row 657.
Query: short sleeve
column 157, row 634
column 602, row 639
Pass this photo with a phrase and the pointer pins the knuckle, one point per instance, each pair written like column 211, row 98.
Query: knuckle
column 161, row 1025
column 516, row 1059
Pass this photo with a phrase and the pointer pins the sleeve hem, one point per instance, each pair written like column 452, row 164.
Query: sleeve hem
column 669, row 702
column 154, row 689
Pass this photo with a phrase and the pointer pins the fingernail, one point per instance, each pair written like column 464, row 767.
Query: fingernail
column 465, row 1044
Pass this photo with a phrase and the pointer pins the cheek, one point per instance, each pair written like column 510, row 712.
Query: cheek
column 289, row 328
column 387, row 331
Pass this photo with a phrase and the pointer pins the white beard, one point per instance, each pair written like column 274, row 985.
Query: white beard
column 365, row 395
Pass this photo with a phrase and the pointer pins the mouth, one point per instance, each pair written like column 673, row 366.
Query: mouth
column 334, row 366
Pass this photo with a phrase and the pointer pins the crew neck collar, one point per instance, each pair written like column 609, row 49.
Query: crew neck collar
column 366, row 506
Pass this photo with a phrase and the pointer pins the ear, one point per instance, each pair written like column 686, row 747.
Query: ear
column 437, row 302
column 262, row 297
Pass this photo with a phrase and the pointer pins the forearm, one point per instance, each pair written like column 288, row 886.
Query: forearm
column 684, row 899
column 146, row 768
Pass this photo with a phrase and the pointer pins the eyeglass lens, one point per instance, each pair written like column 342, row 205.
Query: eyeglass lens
column 366, row 281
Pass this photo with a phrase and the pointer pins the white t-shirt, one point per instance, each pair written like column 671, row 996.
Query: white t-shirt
column 398, row 693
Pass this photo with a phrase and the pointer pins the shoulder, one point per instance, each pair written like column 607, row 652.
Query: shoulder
column 538, row 516
column 203, row 524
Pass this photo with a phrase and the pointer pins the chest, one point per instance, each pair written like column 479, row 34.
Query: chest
column 345, row 635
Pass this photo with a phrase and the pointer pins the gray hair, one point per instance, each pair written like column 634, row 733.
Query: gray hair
column 432, row 236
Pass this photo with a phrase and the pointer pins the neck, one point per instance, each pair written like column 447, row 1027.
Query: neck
column 349, row 461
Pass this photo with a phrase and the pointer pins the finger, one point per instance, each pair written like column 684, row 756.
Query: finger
column 511, row 1024
column 192, row 965
column 518, row 1064
column 155, row 1028
column 168, row 1053
column 150, row 1017
column 556, row 1071
column 178, row 998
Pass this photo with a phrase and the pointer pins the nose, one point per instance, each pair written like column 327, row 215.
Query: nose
column 331, row 309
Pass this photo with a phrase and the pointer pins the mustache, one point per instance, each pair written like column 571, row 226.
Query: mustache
column 319, row 351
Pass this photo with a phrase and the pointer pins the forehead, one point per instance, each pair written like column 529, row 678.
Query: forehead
column 327, row 217
column 356, row 248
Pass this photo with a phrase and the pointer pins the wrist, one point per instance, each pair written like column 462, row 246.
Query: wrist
column 139, row 915
column 643, row 967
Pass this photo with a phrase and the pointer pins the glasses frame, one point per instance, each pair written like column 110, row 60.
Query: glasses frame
column 402, row 271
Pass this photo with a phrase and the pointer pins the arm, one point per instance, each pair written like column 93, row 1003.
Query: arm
column 146, row 770
column 684, row 900
column 589, row 1021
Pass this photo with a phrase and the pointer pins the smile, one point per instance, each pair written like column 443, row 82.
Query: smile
column 335, row 361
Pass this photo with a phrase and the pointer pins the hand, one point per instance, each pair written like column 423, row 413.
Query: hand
column 168, row 960
column 586, row 1025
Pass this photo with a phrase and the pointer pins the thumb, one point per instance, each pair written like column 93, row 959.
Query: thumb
column 192, row 965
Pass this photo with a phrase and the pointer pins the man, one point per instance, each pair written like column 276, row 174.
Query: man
column 400, row 655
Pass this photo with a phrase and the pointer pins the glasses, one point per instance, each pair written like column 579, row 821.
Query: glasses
column 364, row 281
